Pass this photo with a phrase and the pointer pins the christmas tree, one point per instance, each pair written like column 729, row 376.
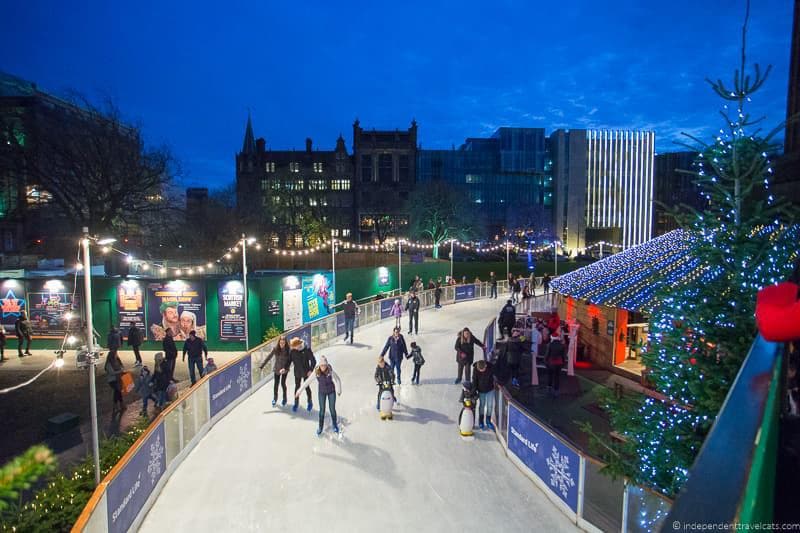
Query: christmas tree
column 701, row 330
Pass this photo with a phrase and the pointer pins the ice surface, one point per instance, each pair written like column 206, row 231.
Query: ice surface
column 264, row 469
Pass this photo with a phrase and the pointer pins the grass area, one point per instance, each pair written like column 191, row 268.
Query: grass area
column 482, row 269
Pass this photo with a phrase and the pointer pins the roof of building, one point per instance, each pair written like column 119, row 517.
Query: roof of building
column 630, row 279
column 13, row 86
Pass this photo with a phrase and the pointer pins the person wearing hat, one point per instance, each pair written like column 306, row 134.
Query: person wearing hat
column 554, row 357
column 330, row 386
column 170, row 319
column 304, row 362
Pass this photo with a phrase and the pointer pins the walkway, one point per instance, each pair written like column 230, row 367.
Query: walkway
column 264, row 469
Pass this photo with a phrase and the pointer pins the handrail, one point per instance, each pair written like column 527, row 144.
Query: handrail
column 716, row 492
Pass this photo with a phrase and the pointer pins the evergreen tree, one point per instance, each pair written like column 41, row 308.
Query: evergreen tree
column 701, row 328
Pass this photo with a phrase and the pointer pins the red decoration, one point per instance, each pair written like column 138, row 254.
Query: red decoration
column 693, row 361
column 778, row 312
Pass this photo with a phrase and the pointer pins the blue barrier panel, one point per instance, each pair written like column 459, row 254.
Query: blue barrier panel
column 465, row 292
column 225, row 386
column 303, row 333
column 386, row 307
column 555, row 463
column 129, row 490
column 340, row 324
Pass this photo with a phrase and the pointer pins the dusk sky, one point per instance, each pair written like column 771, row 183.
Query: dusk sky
column 189, row 71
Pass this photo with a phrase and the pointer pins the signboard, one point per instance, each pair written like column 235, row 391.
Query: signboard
column 179, row 305
column 227, row 385
column 231, row 310
column 318, row 297
column 48, row 307
column 553, row 462
column 292, row 303
column 129, row 490
column 274, row 308
column 465, row 292
column 302, row 333
column 12, row 303
column 386, row 307
column 488, row 340
column 130, row 307
column 610, row 328
column 383, row 277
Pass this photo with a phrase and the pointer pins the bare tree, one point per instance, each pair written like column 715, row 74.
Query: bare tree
column 437, row 212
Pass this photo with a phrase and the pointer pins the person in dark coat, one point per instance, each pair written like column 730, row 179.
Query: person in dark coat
column 546, row 283
column 516, row 295
column 396, row 346
column 465, row 353
column 512, row 351
column 196, row 348
column 135, row 342
column 22, row 327
column 114, row 340
column 493, row 285
column 170, row 353
column 383, row 372
column 483, row 383
column 281, row 369
column 350, row 309
column 437, row 295
column 554, row 358
column 2, row 345
column 412, row 306
column 160, row 379
column 508, row 316
column 304, row 362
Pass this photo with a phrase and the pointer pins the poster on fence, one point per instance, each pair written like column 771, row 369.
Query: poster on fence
column 318, row 297
column 130, row 307
column 386, row 307
column 178, row 305
column 231, row 310
column 553, row 462
column 465, row 292
column 226, row 386
column 13, row 302
column 52, row 306
column 129, row 490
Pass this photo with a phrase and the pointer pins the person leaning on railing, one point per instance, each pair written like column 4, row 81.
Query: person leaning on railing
column 283, row 360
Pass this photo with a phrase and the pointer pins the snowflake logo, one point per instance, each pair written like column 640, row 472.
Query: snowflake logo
column 243, row 379
column 154, row 465
column 560, row 476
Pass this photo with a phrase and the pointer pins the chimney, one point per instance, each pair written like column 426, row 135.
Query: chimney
column 261, row 145
column 308, row 144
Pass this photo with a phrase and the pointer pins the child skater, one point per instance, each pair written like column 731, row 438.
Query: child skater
column 416, row 355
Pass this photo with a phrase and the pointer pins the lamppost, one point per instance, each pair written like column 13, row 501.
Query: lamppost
column 400, row 265
column 555, row 258
column 245, row 242
column 601, row 249
column 333, row 265
column 451, row 258
column 508, row 264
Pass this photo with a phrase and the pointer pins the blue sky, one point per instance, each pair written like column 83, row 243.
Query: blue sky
column 189, row 71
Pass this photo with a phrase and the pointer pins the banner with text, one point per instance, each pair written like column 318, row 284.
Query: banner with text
column 231, row 310
column 178, row 305
column 48, row 305
column 555, row 463
column 13, row 302
column 226, row 386
column 130, row 307
column 465, row 292
column 386, row 307
column 129, row 490
column 318, row 297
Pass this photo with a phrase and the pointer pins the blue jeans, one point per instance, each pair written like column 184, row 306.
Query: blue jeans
column 493, row 294
column 349, row 324
column 486, row 404
column 195, row 362
column 331, row 397
column 396, row 366
column 161, row 398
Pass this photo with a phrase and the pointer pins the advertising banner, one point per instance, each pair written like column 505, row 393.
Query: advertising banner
column 129, row 490
column 130, row 307
column 48, row 305
column 488, row 340
column 178, row 305
column 225, row 386
column 231, row 310
column 465, row 292
column 302, row 333
column 386, row 307
column 292, row 303
column 318, row 297
column 555, row 463
column 340, row 324
column 12, row 300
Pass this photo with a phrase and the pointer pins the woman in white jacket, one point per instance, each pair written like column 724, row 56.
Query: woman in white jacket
column 329, row 387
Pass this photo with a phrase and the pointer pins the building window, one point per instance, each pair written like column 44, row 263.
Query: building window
column 274, row 238
column 317, row 185
column 366, row 167
column 264, row 185
column 37, row 195
column 340, row 185
column 269, row 167
column 298, row 240
column 403, row 168
column 318, row 167
column 339, row 168
column 346, row 232
column 313, row 202
column 294, row 167
column 385, row 168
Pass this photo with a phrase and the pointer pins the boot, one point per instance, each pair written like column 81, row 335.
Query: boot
column 480, row 422
column 319, row 431
column 310, row 406
column 274, row 402
column 489, row 424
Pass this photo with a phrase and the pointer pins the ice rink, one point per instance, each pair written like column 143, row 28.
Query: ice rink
column 264, row 469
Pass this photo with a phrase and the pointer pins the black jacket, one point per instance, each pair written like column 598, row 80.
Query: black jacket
column 493, row 281
column 160, row 378
column 114, row 340
column 412, row 305
column 134, row 336
column 283, row 359
column 349, row 309
column 483, row 381
column 512, row 350
column 303, row 361
column 170, row 350
column 384, row 374
column 508, row 315
column 397, row 348
column 195, row 348
column 555, row 351
column 467, row 347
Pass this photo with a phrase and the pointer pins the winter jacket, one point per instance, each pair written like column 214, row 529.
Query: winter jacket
column 508, row 315
column 195, row 348
column 283, row 360
column 114, row 340
column 113, row 368
column 438, row 291
column 384, row 374
column 517, row 286
column 493, row 281
column 328, row 381
column 396, row 347
column 512, row 350
column 160, row 377
column 170, row 350
column 144, row 383
column 22, row 328
column 483, row 381
column 546, row 281
column 467, row 347
column 350, row 309
column 134, row 336
column 416, row 355
column 303, row 361
column 555, row 354
column 397, row 311
column 412, row 305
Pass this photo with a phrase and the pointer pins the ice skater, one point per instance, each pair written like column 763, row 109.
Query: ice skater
column 465, row 353
column 350, row 309
column 396, row 346
column 384, row 377
column 483, row 383
column 397, row 312
column 416, row 356
column 304, row 362
column 330, row 386
column 412, row 306
column 283, row 361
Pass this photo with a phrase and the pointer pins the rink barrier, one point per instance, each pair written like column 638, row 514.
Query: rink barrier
column 122, row 499
column 571, row 479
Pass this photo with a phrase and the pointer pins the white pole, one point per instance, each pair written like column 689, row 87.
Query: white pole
column 451, row 258
column 400, row 265
column 508, row 270
column 87, row 280
column 555, row 258
column 333, row 265
column 244, row 279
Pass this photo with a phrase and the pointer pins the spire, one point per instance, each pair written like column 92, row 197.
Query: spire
column 249, row 146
